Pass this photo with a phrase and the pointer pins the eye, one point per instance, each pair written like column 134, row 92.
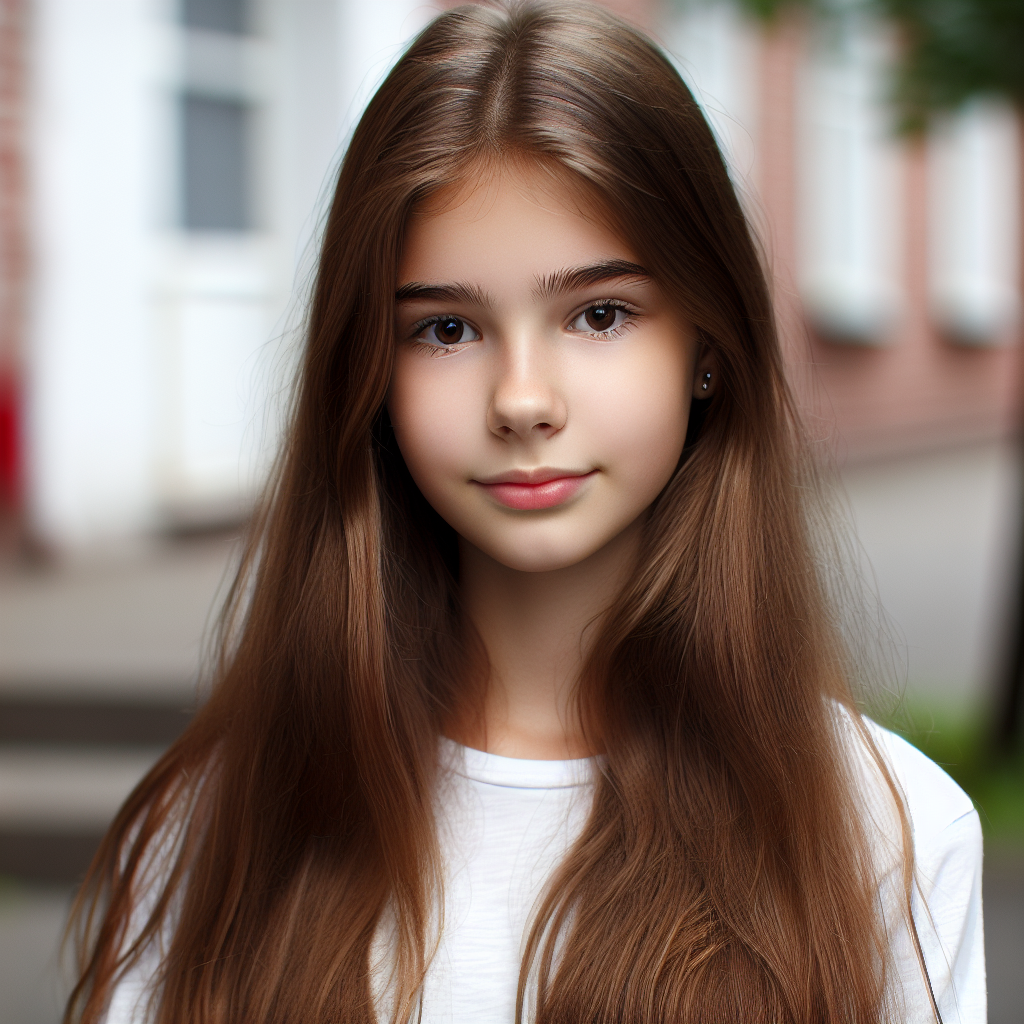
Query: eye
column 601, row 318
column 444, row 331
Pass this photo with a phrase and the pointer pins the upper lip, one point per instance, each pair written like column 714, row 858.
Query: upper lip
column 533, row 477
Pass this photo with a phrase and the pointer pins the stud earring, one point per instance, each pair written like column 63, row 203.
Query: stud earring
column 706, row 382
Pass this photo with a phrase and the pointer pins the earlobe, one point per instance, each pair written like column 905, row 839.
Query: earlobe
column 705, row 372
column 704, row 384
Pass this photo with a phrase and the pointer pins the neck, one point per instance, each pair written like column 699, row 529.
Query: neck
column 536, row 628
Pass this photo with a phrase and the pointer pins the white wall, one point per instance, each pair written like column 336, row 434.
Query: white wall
column 155, row 356
column 90, row 371
column 715, row 47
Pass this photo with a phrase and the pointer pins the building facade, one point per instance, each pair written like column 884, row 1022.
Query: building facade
column 164, row 166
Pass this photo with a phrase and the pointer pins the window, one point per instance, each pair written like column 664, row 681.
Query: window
column 974, row 223
column 215, row 153
column 215, row 15
column 216, row 115
column 849, row 189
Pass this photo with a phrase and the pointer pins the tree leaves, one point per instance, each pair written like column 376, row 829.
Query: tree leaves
column 953, row 51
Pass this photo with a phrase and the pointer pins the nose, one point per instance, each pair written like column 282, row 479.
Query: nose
column 526, row 402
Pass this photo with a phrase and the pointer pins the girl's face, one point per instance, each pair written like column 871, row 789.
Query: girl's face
column 542, row 381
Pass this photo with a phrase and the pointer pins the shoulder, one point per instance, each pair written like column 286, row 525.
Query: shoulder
column 945, row 829
column 946, row 901
column 945, row 826
column 934, row 802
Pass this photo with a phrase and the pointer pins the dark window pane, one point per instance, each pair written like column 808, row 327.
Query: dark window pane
column 217, row 15
column 216, row 164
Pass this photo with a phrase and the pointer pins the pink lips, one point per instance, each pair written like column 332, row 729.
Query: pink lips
column 535, row 489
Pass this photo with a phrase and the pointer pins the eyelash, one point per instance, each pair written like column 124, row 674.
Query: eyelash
column 437, row 350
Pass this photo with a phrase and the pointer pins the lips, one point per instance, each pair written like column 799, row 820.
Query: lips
column 526, row 490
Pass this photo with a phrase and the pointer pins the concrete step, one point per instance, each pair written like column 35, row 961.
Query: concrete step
column 56, row 803
column 103, row 721
column 67, row 789
column 122, row 629
column 98, row 664
column 66, row 766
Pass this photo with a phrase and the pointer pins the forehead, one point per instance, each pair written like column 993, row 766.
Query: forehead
column 503, row 225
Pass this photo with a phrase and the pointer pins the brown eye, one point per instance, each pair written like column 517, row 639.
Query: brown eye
column 449, row 331
column 445, row 332
column 600, row 318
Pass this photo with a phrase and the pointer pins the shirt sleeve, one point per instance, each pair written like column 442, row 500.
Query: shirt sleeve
column 946, row 895
column 948, row 914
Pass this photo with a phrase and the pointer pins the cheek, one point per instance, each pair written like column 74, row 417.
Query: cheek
column 430, row 409
column 640, row 418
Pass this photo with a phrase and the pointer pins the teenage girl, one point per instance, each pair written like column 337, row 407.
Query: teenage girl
column 531, row 703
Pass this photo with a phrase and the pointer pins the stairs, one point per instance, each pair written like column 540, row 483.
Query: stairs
column 65, row 768
column 98, row 663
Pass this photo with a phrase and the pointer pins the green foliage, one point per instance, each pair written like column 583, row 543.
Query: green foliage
column 952, row 51
column 11, row 893
column 955, row 51
column 768, row 10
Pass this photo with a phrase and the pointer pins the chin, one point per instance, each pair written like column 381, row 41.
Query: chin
column 531, row 563
column 533, row 555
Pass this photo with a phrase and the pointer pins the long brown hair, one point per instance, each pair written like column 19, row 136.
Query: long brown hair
column 724, row 873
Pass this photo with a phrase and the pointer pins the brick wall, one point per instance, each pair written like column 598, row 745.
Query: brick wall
column 918, row 390
column 13, row 262
column 922, row 390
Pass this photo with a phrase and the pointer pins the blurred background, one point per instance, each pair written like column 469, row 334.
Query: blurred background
column 163, row 171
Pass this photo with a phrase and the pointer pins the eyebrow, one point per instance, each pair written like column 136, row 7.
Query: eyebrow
column 561, row 281
column 465, row 293
column 575, row 278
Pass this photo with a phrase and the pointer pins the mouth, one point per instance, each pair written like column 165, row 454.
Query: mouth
column 526, row 490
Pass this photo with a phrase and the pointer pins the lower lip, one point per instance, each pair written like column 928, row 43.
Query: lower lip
column 526, row 497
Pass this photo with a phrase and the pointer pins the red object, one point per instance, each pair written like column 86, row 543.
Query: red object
column 10, row 443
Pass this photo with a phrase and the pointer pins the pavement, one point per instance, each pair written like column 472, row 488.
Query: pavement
column 32, row 989
column 1003, row 902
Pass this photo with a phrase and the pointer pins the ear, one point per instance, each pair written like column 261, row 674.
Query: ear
column 705, row 378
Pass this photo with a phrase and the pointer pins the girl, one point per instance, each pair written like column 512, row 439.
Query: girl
column 531, row 704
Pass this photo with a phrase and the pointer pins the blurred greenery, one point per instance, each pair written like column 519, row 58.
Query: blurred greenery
column 961, row 744
column 951, row 51
column 768, row 10
column 955, row 51
column 12, row 892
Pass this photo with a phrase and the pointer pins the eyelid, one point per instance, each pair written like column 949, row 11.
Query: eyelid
column 617, row 303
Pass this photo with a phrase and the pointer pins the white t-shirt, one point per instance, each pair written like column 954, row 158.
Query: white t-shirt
column 505, row 823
